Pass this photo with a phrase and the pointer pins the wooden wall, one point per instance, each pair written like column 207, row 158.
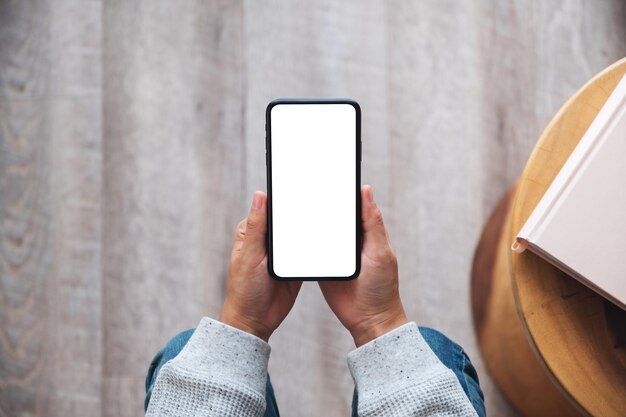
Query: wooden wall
column 131, row 139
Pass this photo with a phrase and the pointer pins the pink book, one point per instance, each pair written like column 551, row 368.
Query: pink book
column 579, row 224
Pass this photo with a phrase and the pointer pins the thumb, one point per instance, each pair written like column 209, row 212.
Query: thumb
column 373, row 224
column 256, row 224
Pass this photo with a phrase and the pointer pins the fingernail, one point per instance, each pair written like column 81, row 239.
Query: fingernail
column 256, row 201
column 370, row 195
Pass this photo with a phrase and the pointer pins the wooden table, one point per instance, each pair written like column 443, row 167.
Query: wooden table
column 554, row 347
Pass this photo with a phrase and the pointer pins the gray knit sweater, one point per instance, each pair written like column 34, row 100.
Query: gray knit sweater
column 222, row 371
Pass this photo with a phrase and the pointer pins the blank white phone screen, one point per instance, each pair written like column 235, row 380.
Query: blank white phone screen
column 313, row 174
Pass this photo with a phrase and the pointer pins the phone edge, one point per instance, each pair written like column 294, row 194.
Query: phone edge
column 358, row 153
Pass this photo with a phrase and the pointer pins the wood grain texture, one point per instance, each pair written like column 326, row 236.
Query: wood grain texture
column 172, row 178
column 566, row 321
column 442, row 139
column 502, row 339
column 132, row 139
column 50, row 209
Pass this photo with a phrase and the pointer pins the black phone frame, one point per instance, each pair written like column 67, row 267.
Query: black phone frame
column 268, row 163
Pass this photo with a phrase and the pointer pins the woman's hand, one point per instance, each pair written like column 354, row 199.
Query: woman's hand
column 255, row 302
column 369, row 306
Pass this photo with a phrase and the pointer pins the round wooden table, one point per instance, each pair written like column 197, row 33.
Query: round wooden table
column 554, row 347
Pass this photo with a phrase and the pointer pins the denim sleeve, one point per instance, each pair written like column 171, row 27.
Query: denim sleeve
column 221, row 371
column 454, row 357
column 398, row 375
column 169, row 352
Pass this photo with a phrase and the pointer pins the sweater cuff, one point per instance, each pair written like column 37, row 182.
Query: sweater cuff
column 392, row 362
column 227, row 353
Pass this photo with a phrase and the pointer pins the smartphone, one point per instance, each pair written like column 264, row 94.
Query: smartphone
column 313, row 158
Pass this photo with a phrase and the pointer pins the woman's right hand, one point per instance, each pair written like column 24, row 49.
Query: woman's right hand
column 369, row 306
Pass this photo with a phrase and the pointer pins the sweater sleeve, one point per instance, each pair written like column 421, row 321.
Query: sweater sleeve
column 398, row 374
column 221, row 371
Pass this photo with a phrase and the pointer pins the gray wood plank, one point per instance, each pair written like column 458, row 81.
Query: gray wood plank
column 436, row 88
column 315, row 49
column 50, row 183
column 173, row 174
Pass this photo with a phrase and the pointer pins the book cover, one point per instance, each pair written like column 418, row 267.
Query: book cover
column 579, row 225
